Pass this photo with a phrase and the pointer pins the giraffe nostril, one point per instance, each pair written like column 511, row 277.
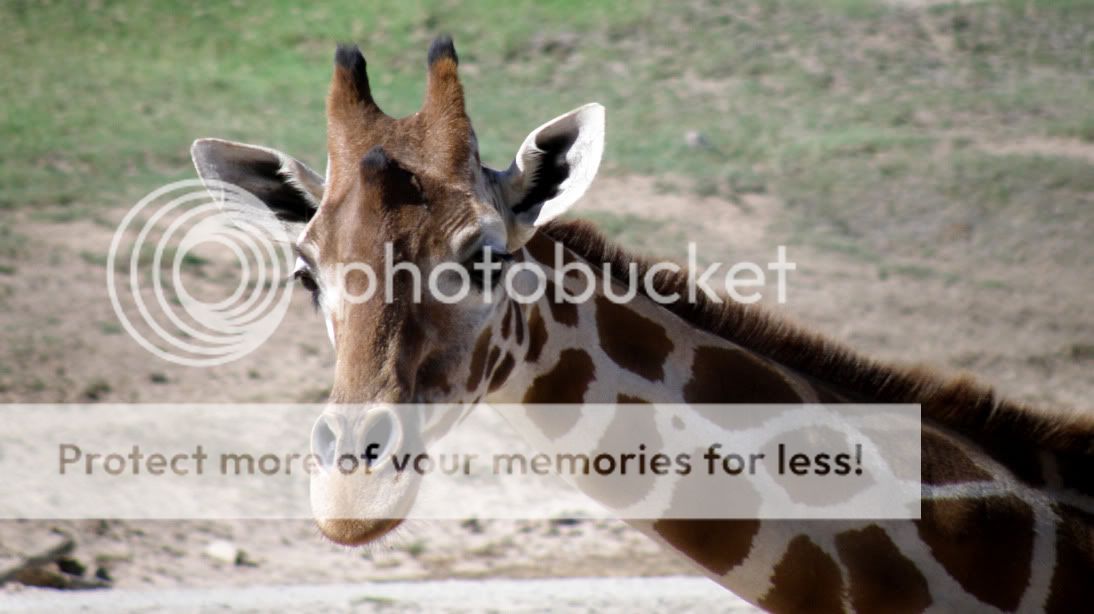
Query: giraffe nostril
column 380, row 436
column 368, row 439
column 324, row 441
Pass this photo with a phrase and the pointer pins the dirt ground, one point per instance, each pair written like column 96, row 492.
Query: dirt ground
column 59, row 342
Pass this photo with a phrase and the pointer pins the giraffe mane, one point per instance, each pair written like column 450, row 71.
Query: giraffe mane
column 959, row 402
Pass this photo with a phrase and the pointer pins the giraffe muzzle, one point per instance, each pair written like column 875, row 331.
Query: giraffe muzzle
column 357, row 493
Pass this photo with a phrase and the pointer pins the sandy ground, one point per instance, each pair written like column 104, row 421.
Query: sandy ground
column 59, row 342
column 623, row 595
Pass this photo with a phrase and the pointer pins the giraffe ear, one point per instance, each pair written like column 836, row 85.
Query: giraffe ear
column 286, row 186
column 553, row 168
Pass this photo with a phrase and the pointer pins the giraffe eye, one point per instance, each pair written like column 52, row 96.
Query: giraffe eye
column 304, row 277
column 486, row 266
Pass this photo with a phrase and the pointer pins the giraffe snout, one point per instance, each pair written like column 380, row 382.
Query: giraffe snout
column 357, row 440
column 357, row 493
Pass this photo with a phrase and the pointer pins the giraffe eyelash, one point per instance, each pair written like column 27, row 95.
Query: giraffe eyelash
column 484, row 253
column 304, row 277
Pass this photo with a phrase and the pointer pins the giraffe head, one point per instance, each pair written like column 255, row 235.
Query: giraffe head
column 413, row 195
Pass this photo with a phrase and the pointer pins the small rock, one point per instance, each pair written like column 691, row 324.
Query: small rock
column 47, row 578
column 227, row 552
column 565, row 522
column 221, row 550
column 71, row 566
column 696, row 140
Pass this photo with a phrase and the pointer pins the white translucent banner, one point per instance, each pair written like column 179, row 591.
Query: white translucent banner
column 433, row 462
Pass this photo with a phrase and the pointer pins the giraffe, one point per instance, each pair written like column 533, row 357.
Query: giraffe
column 1007, row 504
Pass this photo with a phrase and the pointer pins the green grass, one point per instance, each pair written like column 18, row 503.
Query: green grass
column 101, row 101
column 110, row 328
column 838, row 108
column 622, row 225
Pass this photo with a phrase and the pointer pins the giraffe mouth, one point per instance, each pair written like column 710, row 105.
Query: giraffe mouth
column 356, row 531
column 357, row 509
column 358, row 494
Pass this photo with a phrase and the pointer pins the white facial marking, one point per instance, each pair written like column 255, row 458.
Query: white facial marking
column 330, row 326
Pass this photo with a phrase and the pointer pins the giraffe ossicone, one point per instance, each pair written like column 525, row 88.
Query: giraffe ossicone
column 1006, row 492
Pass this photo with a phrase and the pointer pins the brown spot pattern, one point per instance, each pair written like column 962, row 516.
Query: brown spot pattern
column 716, row 544
column 812, row 440
column 432, row 376
column 633, row 341
column 502, row 374
column 727, row 375
column 537, row 335
column 1072, row 588
column 945, row 463
column 896, row 444
column 566, row 383
column 806, row 579
column 631, row 427
column 506, row 323
column 881, row 579
column 1020, row 458
column 478, row 360
column 626, row 399
column 561, row 311
column 1076, row 472
column 541, row 249
column 986, row 544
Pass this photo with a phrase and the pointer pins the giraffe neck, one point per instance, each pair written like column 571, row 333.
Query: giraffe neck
column 603, row 351
column 1004, row 523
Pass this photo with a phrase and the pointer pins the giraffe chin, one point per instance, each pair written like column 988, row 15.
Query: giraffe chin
column 355, row 531
column 356, row 509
